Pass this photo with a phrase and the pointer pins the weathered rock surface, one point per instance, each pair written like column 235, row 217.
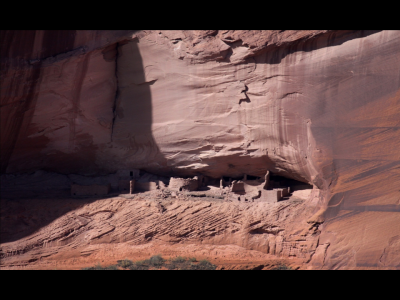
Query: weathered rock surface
column 49, row 227
column 321, row 107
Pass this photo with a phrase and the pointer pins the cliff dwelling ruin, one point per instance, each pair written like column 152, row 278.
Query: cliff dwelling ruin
column 270, row 188
column 240, row 146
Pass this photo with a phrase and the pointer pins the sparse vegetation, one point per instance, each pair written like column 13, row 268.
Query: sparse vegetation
column 203, row 265
column 125, row 263
column 282, row 267
column 157, row 262
column 140, row 265
column 99, row 267
column 181, row 263
column 178, row 260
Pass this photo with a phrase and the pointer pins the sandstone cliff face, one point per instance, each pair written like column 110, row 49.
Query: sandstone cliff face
column 318, row 106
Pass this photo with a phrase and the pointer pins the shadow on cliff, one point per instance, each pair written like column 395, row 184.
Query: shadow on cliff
column 132, row 126
column 18, row 93
column 132, row 142
column 21, row 217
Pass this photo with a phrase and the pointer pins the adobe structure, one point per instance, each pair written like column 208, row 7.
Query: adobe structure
column 126, row 180
column 256, row 190
column 246, row 190
column 183, row 184
column 146, row 186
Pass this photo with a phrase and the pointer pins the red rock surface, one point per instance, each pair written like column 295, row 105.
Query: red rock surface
column 321, row 107
column 36, row 229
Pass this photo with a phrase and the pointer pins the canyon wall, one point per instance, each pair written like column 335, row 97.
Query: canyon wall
column 319, row 106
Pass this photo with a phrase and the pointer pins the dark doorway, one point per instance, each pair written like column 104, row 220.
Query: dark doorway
column 277, row 181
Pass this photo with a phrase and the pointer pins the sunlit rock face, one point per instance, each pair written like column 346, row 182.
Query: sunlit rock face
column 321, row 107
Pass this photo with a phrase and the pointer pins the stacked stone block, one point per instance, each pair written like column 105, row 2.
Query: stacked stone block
column 183, row 184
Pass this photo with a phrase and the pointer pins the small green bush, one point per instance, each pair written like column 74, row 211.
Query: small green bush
column 179, row 263
column 204, row 265
column 156, row 261
column 137, row 266
column 282, row 267
column 125, row 263
column 171, row 266
column 112, row 267
column 99, row 267
column 96, row 267
column 179, row 260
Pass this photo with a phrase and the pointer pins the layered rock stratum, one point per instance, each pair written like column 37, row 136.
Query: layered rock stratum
column 318, row 106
